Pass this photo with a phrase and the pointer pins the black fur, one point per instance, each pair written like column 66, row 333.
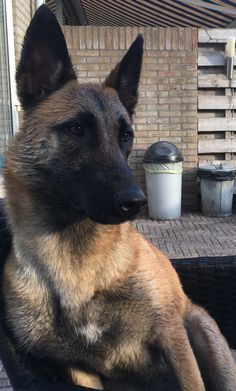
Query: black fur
column 5, row 236
column 45, row 64
column 125, row 77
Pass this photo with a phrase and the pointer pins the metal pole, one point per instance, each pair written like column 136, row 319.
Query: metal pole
column 12, row 64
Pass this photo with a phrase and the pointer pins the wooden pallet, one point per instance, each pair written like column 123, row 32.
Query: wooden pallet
column 216, row 99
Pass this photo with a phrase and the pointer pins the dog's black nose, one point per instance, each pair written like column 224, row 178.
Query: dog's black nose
column 130, row 200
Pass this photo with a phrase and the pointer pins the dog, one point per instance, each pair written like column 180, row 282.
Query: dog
column 86, row 299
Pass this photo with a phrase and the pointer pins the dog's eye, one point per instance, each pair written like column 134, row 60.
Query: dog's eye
column 127, row 135
column 77, row 129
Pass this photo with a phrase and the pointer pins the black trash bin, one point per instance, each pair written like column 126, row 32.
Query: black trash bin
column 217, row 182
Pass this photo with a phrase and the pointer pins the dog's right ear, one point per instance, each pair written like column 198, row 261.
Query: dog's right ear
column 125, row 77
column 45, row 65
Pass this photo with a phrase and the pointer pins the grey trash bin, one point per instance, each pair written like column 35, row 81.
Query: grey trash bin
column 217, row 183
column 163, row 164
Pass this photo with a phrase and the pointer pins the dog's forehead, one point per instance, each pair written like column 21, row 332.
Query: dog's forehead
column 100, row 100
column 74, row 98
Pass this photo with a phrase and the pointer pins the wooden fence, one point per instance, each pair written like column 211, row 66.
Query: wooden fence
column 216, row 99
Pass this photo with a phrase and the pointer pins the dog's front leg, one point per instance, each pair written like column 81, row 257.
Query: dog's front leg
column 176, row 348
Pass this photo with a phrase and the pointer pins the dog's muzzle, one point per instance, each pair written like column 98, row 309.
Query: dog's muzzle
column 129, row 201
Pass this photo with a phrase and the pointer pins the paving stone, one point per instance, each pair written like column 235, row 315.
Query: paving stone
column 192, row 235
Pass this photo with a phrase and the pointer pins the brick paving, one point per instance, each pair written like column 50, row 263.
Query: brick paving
column 193, row 235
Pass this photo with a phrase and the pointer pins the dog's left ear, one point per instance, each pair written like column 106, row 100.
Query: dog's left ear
column 125, row 77
column 45, row 65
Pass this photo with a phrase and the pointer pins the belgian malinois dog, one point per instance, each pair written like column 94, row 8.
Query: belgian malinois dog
column 84, row 294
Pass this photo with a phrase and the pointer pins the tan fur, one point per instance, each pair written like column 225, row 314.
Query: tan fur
column 84, row 379
column 87, row 261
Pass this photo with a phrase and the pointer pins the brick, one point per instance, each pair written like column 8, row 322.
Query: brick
column 169, row 100
column 102, row 39
column 157, row 67
column 194, row 38
column 149, row 74
column 88, row 53
column 115, row 36
column 169, row 73
column 151, row 94
column 95, row 34
column 163, row 67
column 148, row 38
column 188, row 34
column 168, row 38
column 170, row 114
column 182, row 38
column 135, row 32
column 128, row 36
column 162, row 93
column 122, row 37
column 176, row 67
column 80, row 73
column 147, row 127
column 89, row 67
column 155, row 35
column 112, row 53
column 98, row 60
column 97, row 73
column 189, row 59
column 162, row 38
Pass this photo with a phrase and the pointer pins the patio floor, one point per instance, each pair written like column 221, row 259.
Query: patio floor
column 193, row 235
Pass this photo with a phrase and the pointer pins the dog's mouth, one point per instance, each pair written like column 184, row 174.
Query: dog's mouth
column 124, row 214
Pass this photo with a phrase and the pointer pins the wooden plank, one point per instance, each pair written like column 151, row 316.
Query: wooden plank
column 206, row 162
column 217, row 124
column 215, row 81
column 211, row 59
column 216, row 102
column 228, row 114
column 215, row 35
column 217, row 146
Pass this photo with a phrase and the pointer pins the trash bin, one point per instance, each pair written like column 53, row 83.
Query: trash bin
column 163, row 164
column 217, row 183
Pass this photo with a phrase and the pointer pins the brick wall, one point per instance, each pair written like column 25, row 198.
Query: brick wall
column 167, row 108
column 23, row 11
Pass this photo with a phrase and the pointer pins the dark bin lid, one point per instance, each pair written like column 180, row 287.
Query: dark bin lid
column 217, row 172
column 163, row 152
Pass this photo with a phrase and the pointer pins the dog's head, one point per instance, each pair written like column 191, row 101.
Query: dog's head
column 76, row 138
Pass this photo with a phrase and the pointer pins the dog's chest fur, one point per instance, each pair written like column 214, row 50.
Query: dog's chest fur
column 100, row 334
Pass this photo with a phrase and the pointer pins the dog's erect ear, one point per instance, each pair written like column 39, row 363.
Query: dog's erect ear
column 45, row 64
column 125, row 77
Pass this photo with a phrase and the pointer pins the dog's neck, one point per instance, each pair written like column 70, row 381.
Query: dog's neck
column 83, row 249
